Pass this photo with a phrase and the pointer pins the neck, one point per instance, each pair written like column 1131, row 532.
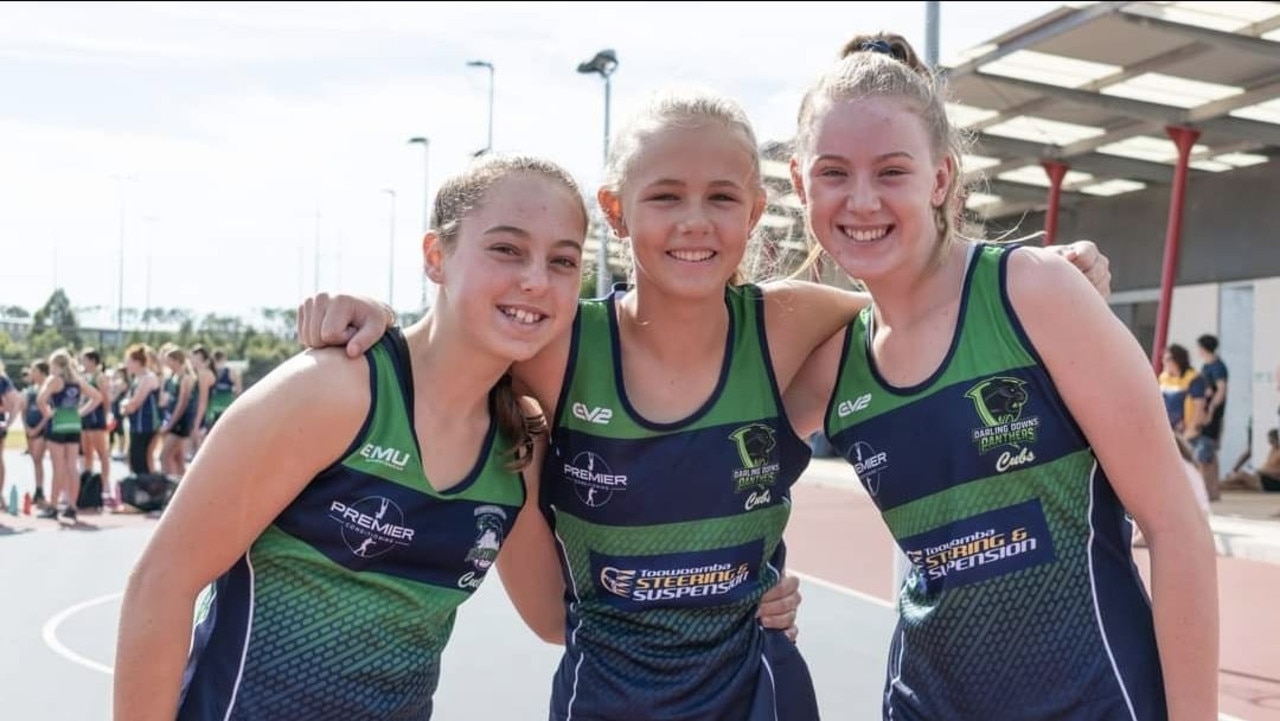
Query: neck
column 674, row 329
column 449, row 374
column 916, row 292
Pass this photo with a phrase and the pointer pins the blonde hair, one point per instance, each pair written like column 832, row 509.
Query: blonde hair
column 686, row 107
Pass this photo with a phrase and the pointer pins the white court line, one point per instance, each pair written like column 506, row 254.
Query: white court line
column 888, row 604
column 50, row 633
column 883, row 603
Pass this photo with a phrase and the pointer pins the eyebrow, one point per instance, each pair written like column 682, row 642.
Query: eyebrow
column 524, row 234
column 878, row 158
column 677, row 181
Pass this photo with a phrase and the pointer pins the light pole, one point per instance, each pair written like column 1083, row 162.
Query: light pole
column 120, row 183
column 486, row 64
column 391, row 251
column 149, row 225
column 425, row 142
column 603, row 64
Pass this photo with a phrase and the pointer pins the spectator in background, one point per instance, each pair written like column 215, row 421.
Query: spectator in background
column 1183, row 390
column 1266, row 477
column 10, row 403
column 1206, row 442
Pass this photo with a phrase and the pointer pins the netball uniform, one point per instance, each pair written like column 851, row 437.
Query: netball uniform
column 341, row 608
column 221, row 394
column 65, row 425
column 146, row 418
column 96, row 420
column 182, row 426
column 5, row 386
column 669, row 534
column 1022, row 601
column 32, row 416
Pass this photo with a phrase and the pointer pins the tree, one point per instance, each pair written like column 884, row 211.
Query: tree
column 14, row 311
column 57, row 315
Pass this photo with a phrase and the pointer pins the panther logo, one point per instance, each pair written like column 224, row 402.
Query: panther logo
column 998, row 400
column 755, row 444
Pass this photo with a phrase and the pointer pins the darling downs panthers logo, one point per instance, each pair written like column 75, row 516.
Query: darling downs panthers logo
column 755, row 444
column 999, row 402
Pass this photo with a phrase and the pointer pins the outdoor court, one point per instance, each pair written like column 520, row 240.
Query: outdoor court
column 62, row 591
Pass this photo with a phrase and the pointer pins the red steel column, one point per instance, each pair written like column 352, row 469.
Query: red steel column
column 1057, row 170
column 1184, row 138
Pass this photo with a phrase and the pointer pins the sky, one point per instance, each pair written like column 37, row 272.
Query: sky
column 245, row 155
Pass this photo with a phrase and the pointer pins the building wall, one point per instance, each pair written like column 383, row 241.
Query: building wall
column 1266, row 358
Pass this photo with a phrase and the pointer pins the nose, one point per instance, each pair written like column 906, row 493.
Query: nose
column 695, row 222
column 535, row 278
column 863, row 196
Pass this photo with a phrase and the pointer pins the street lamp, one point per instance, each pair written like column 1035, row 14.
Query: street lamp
column 486, row 64
column 391, row 250
column 120, row 182
column 425, row 142
column 603, row 64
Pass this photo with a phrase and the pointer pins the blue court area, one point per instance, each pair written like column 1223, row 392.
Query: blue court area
column 60, row 600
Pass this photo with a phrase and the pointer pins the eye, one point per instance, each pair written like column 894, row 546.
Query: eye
column 504, row 249
column 831, row 172
column 663, row 197
column 724, row 197
column 894, row 171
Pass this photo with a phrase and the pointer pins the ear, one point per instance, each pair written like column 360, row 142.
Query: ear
column 942, row 181
column 611, row 205
column 433, row 257
column 797, row 180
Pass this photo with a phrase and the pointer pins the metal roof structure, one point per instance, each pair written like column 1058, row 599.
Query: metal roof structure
column 1094, row 85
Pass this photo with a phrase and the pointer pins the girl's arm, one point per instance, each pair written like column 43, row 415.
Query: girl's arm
column 806, row 398
column 529, row 564
column 46, row 392
column 145, row 385
column 184, row 397
column 204, row 381
column 92, row 396
column 1106, row 381
column 235, row 487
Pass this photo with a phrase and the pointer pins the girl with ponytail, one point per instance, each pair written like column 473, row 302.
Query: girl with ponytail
column 367, row 496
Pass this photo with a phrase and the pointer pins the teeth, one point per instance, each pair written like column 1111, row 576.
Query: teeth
column 692, row 256
column 867, row 235
column 521, row 315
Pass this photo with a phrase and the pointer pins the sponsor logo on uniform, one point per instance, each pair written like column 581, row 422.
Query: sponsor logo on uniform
column 599, row 415
column 690, row 579
column 846, row 408
column 593, row 480
column 490, row 524
column 392, row 458
column 371, row 526
column 985, row 546
column 757, row 452
column 869, row 464
column 999, row 402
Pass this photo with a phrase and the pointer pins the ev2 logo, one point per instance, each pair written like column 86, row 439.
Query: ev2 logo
column 848, row 408
column 601, row 415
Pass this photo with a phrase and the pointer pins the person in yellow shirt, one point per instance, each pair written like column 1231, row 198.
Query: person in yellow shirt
column 1183, row 390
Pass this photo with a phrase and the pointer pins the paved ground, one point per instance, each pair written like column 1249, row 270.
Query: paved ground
column 62, row 589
